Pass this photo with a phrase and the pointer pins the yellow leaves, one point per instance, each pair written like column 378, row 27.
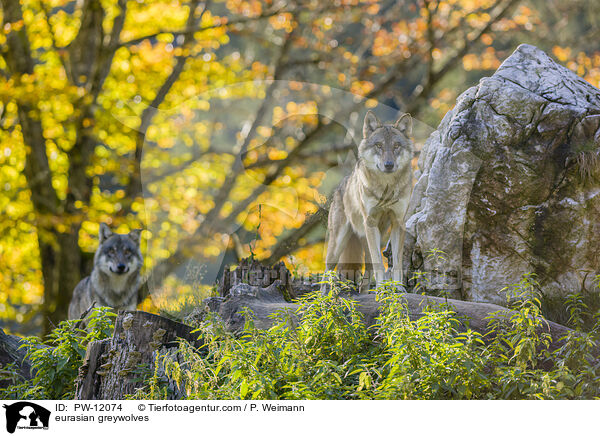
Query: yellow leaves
column 326, row 22
column 371, row 103
column 562, row 54
column 361, row 87
column 299, row 113
column 264, row 131
column 275, row 154
column 470, row 62
column 64, row 30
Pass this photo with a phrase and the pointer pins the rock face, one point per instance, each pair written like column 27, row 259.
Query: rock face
column 509, row 184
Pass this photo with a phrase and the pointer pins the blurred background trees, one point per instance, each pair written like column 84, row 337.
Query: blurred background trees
column 220, row 126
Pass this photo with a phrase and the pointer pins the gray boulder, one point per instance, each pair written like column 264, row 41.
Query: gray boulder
column 509, row 184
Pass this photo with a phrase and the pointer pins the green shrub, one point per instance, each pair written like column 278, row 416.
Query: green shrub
column 331, row 354
column 55, row 362
column 325, row 351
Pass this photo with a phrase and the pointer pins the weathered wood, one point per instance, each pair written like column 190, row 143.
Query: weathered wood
column 10, row 352
column 253, row 273
column 264, row 302
column 113, row 368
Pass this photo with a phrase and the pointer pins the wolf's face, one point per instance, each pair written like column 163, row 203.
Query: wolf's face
column 118, row 254
column 386, row 148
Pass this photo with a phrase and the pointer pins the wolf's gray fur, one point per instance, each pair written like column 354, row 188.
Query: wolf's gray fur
column 372, row 200
column 115, row 278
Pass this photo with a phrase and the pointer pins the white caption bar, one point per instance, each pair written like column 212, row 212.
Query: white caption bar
column 298, row 417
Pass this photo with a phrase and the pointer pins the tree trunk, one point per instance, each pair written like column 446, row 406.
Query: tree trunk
column 11, row 353
column 37, row 170
column 114, row 368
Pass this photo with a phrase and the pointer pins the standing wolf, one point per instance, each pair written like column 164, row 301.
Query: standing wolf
column 115, row 278
column 372, row 200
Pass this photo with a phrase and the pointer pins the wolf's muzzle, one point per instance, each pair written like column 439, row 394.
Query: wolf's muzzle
column 121, row 269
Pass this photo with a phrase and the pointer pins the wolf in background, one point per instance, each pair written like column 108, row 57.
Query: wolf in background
column 115, row 277
column 371, row 201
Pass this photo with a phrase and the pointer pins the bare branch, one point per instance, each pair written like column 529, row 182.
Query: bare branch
column 319, row 154
column 191, row 30
column 433, row 78
column 221, row 196
column 430, row 35
column 291, row 242
column 135, row 187
column 108, row 52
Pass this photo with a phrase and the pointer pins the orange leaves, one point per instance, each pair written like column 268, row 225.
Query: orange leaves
column 384, row 43
column 487, row 39
column 13, row 27
column 362, row 87
column 487, row 60
column 248, row 8
column 470, row 62
column 282, row 21
column 587, row 66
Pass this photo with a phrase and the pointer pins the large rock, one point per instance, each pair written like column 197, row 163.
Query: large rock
column 509, row 184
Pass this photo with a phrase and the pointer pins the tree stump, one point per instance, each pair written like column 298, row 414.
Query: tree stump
column 113, row 368
column 253, row 273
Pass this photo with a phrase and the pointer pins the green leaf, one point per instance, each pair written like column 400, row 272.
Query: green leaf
column 243, row 389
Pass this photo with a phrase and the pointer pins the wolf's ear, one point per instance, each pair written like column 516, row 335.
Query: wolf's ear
column 404, row 124
column 105, row 232
column 371, row 124
column 135, row 235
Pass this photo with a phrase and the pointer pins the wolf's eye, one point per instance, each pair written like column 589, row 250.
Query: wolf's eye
column 397, row 145
column 379, row 146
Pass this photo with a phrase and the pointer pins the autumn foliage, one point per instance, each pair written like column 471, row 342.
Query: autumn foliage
column 219, row 127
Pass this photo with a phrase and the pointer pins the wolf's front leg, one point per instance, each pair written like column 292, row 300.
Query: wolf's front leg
column 397, row 240
column 374, row 244
column 337, row 240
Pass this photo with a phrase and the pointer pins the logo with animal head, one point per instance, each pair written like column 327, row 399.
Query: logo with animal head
column 26, row 415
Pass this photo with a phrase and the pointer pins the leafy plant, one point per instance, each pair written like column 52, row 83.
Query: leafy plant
column 55, row 362
column 326, row 351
